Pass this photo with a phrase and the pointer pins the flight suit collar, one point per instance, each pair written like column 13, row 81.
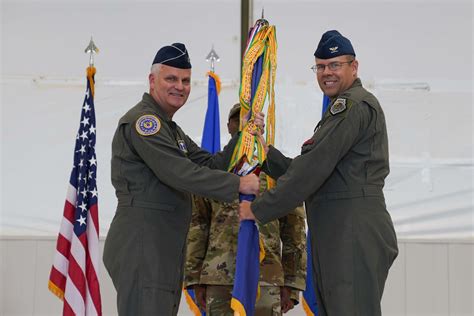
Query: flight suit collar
column 356, row 84
column 148, row 99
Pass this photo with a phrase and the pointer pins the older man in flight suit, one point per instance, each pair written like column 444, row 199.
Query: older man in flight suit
column 155, row 168
column 340, row 175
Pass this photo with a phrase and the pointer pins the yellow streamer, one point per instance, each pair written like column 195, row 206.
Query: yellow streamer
column 264, row 43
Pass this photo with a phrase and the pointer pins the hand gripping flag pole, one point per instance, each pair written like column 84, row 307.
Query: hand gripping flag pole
column 257, row 86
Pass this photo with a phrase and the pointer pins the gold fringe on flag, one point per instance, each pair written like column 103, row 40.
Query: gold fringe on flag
column 90, row 77
column 192, row 305
column 217, row 79
column 56, row 290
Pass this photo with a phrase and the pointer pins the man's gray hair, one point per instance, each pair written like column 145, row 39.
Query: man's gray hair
column 155, row 68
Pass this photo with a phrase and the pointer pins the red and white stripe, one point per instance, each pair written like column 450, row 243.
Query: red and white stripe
column 74, row 275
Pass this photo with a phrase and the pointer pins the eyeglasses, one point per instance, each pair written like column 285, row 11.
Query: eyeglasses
column 319, row 68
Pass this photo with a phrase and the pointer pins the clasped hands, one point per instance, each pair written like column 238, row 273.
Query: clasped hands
column 259, row 121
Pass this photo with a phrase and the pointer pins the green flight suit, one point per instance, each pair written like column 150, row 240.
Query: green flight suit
column 154, row 177
column 340, row 175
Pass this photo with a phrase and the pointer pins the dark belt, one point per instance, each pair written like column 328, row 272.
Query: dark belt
column 128, row 200
column 125, row 201
column 351, row 193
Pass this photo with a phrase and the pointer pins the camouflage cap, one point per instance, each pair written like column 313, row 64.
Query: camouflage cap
column 234, row 110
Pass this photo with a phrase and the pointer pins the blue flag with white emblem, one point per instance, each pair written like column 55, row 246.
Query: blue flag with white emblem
column 211, row 141
column 211, row 136
column 249, row 249
column 247, row 270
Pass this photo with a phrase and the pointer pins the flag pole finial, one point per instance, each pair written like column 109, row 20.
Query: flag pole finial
column 212, row 57
column 91, row 49
column 262, row 20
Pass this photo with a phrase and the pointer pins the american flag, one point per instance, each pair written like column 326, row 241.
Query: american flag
column 74, row 275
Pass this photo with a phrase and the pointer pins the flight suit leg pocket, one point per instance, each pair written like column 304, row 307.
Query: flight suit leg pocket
column 157, row 300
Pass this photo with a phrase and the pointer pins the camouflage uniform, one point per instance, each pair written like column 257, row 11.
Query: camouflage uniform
column 219, row 296
column 212, row 248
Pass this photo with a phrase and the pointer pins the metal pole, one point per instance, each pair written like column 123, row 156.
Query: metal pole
column 246, row 7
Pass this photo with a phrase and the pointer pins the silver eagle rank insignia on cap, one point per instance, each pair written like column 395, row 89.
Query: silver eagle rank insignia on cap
column 338, row 106
column 333, row 49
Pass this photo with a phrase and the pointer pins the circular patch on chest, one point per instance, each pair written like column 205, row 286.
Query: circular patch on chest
column 148, row 125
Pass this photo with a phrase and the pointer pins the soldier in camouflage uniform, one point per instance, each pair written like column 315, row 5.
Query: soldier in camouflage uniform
column 212, row 247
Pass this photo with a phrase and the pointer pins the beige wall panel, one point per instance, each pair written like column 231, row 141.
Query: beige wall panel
column 461, row 279
column 19, row 277
column 45, row 302
column 427, row 279
column 3, row 271
column 394, row 300
column 107, row 290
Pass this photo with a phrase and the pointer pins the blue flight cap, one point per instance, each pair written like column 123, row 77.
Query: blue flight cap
column 333, row 44
column 174, row 55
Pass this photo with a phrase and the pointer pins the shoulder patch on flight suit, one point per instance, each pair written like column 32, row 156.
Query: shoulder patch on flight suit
column 307, row 146
column 182, row 146
column 338, row 106
column 148, row 125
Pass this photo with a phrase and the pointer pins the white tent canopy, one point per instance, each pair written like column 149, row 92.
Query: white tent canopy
column 415, row 56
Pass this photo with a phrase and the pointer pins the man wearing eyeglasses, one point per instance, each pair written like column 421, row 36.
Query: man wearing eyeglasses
column 340, row 175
